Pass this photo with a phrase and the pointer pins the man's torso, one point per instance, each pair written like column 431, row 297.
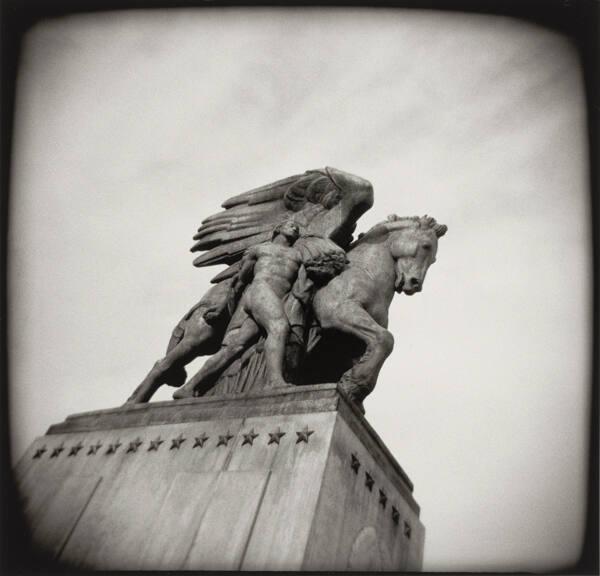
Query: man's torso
column 276, row 266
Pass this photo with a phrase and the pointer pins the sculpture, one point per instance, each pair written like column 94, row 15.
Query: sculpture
column 296, row 284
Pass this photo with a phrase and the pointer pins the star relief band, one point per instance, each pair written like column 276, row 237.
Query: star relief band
column 154, row 444
column 248, row 438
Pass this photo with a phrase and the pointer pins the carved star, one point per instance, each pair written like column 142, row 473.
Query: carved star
column 303, row 435
column 249, row 438
column 57, row 450
column 200, row 440
column 112, row 448
column 407, row 529
column 94, row 448
column 224, row 440
column 40, row 451
column 177, row 442
column 275, row 437
column 395, row 515
column 355, row 464
column 382, row 498
column 133, row 446
column 155, row 444
column 369, row 481
column 75, row 449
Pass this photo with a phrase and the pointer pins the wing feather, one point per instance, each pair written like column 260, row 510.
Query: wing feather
column 238, row 211
column 210, row 229
column 217, row 238
column 228, row 253
column 256, row 195
column 227, row 273
column 313, row 199
column 233, row 224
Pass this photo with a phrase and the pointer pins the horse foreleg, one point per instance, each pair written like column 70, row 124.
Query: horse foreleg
column 351, row 318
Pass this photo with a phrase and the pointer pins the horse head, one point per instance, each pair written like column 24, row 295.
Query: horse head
column 413, row 243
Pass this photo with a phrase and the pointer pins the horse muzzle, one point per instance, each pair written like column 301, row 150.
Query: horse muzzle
column 409, row 286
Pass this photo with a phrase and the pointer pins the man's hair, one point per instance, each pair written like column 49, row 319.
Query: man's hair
column 277, row 229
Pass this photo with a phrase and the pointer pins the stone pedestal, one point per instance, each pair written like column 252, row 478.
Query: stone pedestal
column 294, row 479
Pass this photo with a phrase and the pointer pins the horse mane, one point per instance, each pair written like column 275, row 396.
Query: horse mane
column 395, row 222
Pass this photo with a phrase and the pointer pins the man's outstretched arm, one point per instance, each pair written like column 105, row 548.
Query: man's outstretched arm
column 246, row 272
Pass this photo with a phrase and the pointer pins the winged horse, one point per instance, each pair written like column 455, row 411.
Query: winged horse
column 393, row 256
column 324, row 203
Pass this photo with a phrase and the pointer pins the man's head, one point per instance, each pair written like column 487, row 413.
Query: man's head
column 289, row 229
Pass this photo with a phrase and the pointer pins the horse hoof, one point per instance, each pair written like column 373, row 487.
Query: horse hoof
column 183, row 393
column 278, row 384
column 134, row 399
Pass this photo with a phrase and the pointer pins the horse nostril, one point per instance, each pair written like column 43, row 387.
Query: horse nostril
column 414, row 282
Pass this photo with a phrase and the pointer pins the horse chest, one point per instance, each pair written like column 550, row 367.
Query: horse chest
column 378, row 310
column 372, row 294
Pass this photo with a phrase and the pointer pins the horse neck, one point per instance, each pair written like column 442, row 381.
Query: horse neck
column 376, row 259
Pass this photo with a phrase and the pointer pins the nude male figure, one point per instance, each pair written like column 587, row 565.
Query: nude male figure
column 268, row 272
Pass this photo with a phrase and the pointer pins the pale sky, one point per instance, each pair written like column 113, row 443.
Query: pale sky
column 134, row 126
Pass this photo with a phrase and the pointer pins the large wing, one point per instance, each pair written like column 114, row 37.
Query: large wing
column 326, row 202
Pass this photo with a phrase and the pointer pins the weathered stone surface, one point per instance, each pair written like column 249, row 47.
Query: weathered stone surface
column 264, row 482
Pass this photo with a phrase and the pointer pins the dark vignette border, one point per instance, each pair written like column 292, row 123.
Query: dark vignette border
column 575, row 18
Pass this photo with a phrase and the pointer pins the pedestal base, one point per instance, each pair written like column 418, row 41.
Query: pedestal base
column 294, row 479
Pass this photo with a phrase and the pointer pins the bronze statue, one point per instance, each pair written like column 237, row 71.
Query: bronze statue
column 296, row 287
